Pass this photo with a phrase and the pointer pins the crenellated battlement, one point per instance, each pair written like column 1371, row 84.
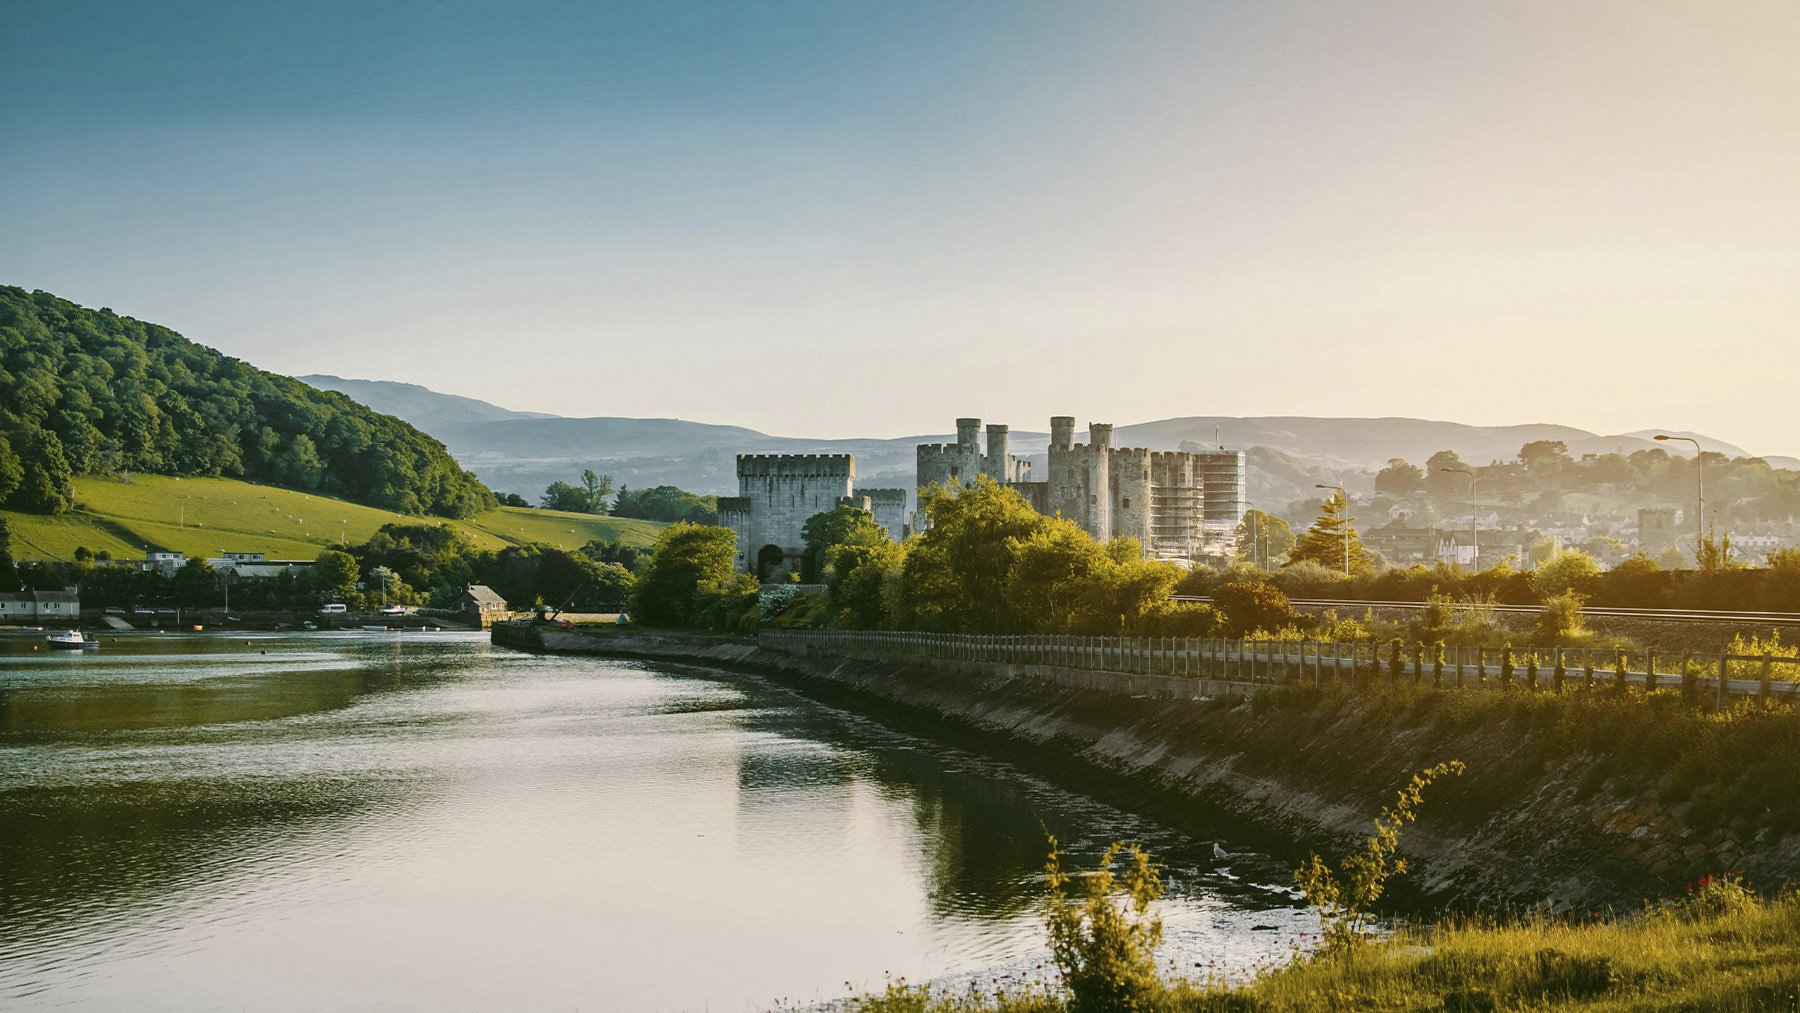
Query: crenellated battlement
column 795, row 466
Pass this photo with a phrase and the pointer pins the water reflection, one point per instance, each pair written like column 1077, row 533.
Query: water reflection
column 402, row 821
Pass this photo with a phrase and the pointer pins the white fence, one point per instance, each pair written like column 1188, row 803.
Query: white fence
column 1705, row 676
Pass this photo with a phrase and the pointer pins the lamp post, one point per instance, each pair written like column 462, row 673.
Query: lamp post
column 1699, row 492
column 1346, row 519
column 1474, row 505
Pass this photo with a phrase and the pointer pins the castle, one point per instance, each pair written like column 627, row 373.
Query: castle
column 1177, row 504
column 778, row 492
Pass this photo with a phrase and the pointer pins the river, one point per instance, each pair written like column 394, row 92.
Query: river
column 423, row 821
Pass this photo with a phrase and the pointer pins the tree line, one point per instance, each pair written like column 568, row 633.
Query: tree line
column 666, row 503
column 89, row 392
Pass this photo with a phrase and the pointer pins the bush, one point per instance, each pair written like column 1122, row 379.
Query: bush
column 1105, row 948
column 1252, row 605
column 1561, row 618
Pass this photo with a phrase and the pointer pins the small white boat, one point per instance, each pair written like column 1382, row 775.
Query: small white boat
column 72, row 639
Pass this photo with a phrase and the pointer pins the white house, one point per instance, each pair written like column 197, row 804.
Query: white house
column 39, row 606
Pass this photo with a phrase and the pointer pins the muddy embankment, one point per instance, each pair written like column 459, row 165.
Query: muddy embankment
column 1527, row 827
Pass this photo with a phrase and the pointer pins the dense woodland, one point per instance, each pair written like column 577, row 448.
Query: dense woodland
column 91, row 392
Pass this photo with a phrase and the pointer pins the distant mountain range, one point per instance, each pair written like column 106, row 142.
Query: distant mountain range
column 524, row 451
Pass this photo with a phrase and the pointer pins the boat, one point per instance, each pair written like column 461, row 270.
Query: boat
column 73, row 640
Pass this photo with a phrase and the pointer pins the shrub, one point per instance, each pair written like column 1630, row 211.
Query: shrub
column 1345, row 897
column 1561, row 618
column 1105, row 948
column 1253, row 605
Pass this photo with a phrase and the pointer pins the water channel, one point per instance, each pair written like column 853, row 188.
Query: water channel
column 423, row 821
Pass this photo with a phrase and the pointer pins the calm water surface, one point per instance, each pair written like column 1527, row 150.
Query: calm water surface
column 400, row 821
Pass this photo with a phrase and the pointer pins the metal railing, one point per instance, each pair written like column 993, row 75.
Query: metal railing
column 1256, row 662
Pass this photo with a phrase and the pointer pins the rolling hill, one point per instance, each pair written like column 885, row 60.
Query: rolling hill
column 90, row 392
column 523, row 453
column 206, row 516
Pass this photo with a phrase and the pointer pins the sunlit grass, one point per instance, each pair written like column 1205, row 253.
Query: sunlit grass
column 205, row 516
column 1741, row 956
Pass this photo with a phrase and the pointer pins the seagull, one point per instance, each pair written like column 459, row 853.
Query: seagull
column 1219, row 852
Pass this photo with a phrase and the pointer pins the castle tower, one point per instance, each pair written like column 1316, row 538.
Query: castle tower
column 1062, row 432
column 968, row 436
column 777, row 493
column 995, row 464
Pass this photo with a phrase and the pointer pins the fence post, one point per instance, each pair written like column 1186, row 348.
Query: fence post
column 1762, row 692
column 1689, row 685
column 1719, row 702
column 1649, row 669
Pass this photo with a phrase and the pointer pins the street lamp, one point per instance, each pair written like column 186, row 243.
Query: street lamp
column 1341, row 492
column 1474, row 505
column 1699, row 492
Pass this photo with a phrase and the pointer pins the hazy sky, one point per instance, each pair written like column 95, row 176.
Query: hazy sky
column 838, row 219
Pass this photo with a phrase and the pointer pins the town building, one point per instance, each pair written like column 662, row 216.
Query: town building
column 480, row 605
column 39, row 606
column 233, row 567
column 1178, row 504
column 1657, row 529
column 778, row 493
column 1404, row 546
column 166, row 563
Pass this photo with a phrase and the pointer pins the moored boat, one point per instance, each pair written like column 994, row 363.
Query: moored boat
column 72, row 640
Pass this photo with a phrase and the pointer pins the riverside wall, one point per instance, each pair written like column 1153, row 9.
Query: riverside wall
column 1518, row 831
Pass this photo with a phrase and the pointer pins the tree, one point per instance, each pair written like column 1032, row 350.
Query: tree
column 666, row 503
column 690, row 563
column 841, row 525
column 513, row 499
column 9, row 574
column 1571, row 570
column 12, row 470
column 595, row 489
column 587, row 498
column 862, row 582
column 1400, row 478
column 1441, row 483
column 1263, row 539
column 47, row 485
column 956, row 573
column 195, row 585
column 1324, row 542
column 1545, row 457
column 1051, row 572
column 335, row 573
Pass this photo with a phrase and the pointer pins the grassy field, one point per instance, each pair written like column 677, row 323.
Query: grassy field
column 205, row 516
column 1719, row 948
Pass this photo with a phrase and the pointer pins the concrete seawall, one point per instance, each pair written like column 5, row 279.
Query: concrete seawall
column 1518, row 833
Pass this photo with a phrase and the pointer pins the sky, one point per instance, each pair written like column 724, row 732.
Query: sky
column 857, row 219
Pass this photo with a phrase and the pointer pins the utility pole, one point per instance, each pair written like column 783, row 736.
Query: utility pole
column 1346, row 520
column 1699, row 492
column 1474, row 506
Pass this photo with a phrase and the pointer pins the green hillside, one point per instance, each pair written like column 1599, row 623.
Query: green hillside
column 90, row 393
column 205, row 516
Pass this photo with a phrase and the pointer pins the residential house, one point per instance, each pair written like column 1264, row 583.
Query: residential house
column 39, row 606
column 479, row 604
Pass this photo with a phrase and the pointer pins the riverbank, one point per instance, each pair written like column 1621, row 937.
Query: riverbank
column 1579, row 802
column 1720, row 948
